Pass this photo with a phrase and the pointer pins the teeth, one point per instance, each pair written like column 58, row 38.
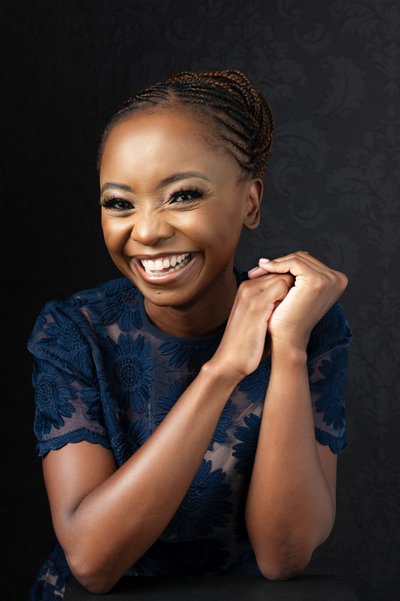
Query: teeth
column 172, row 263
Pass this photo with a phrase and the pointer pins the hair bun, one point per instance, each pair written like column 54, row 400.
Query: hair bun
column 243, row 117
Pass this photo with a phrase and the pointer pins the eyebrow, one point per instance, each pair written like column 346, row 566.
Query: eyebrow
column 178, row 176
column 115, row 186
column 164, row 182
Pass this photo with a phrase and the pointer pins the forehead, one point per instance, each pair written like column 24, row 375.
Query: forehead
column 145, row 134
column 152, row 144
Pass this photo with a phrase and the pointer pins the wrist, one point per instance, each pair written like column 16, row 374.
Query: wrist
column 221, row 375
column 293, row 351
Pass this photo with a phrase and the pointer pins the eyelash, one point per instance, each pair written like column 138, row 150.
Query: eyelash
column 126, row 205
column 111, row 203
column 194, row 192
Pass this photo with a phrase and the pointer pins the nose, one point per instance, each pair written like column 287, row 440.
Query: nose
column 149, row 228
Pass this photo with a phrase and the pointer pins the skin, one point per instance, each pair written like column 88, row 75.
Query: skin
column 105, row 518
column 209, row 228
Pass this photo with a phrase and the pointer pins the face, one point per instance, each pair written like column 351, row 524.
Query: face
column 173, row 208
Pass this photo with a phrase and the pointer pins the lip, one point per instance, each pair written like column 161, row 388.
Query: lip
column 164, row 254
column 167, row 278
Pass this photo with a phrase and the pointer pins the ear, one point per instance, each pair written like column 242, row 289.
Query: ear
column 254, row 196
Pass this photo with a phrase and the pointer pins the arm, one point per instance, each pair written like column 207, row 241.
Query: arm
column 291, row 500
column 106, row 518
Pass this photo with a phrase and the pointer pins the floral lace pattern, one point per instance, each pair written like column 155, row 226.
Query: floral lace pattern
column 103, row 373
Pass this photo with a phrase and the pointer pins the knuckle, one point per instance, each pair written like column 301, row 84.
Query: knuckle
column 280, row 286
column 244, row 290
column 319, row 283
column 248, row 293
column 344, row 280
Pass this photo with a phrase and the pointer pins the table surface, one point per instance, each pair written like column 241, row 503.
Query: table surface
column 322, row 587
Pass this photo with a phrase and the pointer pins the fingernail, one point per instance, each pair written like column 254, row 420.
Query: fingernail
column 263, row 261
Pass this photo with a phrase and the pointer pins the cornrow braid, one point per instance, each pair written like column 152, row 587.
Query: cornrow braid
column 243, row 117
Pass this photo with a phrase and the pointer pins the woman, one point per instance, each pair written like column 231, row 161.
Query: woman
column 188, row 415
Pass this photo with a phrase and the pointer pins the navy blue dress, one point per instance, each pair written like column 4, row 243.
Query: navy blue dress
column 104, row 374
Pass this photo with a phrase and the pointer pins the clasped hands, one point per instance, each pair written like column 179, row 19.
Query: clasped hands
column 285, row 297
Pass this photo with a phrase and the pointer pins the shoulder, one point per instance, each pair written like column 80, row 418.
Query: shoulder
column 332, row 331
column 120, row 290
column 115, row 301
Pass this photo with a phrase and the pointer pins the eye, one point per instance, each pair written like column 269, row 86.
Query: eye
column 186, row 195
column 116, row 204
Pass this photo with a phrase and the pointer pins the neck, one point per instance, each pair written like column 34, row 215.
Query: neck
column 200, row 317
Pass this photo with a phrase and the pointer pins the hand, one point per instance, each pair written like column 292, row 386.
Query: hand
column 316, row 288
column 242, row 345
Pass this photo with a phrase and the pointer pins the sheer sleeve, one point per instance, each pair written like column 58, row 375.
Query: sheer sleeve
column 67, row 399
column 327, row 364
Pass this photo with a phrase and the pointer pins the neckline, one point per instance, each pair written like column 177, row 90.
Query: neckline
column 207, row 339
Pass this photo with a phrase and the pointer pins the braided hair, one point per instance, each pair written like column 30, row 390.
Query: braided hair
column 242, row 115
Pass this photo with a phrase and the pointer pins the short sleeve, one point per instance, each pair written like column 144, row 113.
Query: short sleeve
column 67, row 399
column 327, row 365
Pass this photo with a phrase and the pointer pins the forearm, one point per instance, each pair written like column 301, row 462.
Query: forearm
column 290, row 509
column 120, row 519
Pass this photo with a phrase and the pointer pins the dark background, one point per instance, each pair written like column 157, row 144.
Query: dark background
column 331, row 71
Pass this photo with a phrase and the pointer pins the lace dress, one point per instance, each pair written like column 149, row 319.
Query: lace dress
column 104, row 374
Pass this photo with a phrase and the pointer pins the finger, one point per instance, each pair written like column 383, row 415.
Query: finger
column 321, row 268
column 325, row 269
column 303, row 255
column 256, row 272
column 309, row 259
column 263, row 263
column 261, row 269
column 312, row 260
column 293, row 264
column 310, row 264
column 272, row 287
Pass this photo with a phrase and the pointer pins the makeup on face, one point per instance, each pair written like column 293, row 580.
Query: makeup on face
column 172, row 212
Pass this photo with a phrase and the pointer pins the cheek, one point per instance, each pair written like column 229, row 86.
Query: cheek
column 221, row 233
column 115, row 232
column 198, row 226
column 226, row 226
column 222, row 219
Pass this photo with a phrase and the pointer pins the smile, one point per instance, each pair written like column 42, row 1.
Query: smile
column 163, row 265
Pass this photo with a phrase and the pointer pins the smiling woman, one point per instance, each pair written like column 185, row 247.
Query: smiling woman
column 187, row 405
column 165, row 198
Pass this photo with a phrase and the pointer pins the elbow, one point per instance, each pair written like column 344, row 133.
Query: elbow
column 284, row 564
column 94, row 579
column 284, row 555
column 280, row 570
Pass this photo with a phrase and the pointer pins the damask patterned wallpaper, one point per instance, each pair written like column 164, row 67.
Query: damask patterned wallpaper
column 331, row 70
